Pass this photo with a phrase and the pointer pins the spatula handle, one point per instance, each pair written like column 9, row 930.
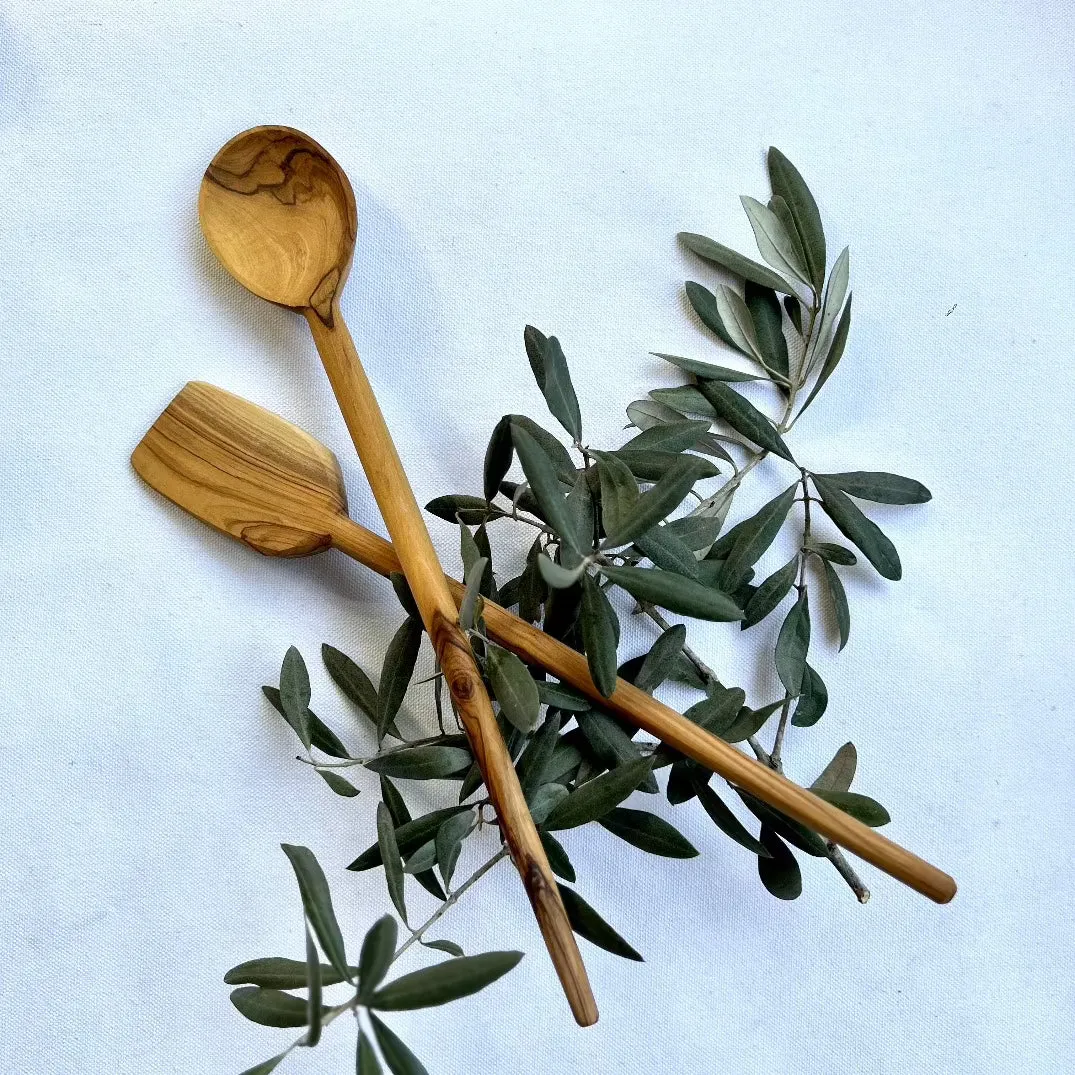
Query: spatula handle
column 403, row 517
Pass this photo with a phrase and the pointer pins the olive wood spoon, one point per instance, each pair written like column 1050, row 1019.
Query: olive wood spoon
column 280, row 215
column 258, row 478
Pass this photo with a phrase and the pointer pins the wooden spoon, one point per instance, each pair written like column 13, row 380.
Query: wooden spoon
column 280, row 215
column 260, row 479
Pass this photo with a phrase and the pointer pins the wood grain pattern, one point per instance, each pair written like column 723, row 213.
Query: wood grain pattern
column 237, row 466
column 280, row 215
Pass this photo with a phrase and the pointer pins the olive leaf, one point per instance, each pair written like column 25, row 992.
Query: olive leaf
column 779, row 872
column 653, row 505
column 558, row 455
column 838, row 597
column 557, row 389
column 770, row 593
column 755, row 535
column 587, row 923
column 744, row 418
column 545, row 485
column 557, row 856
column 266, row 1067
column 687, row 398
column 599, row 631
column 721, row 815
column 880, row 487
column 513, row 688
column 835, row 554
column 444, row 982
column 295, row 694
column 313, row 999
column 674, row 592
column 648, row 833
column 666, row 550
column 468, row 606
column 668, row 437
column 337, row 783
column 774, row 243
column 409, row 836
column 430, row 761
column 611, row 744
column 366, row 1062
column 270, row 1007
column 765, row 313
column 399, row 661
column 840, row 772
column 471, row 510
column 317, row 903
column 650, row 465
column 832, row 356
column 705, row 370
column 425, row 858
column 596, row 797
column 498, row 457
column 378, row 952
column 858, row 529
column 390, row 857
column 394, row 801
column 276, row 972
column 354, row 683
column 789, row 185
column 400, row 1060
column 861, row 807
column 813, row 700
column 321, row 735
column 534, row 343
column 735, row 263
column 737, row 322
column 661, row 658
column 706, row 306
column 792, row 644
column 556, row 575
column 449, row 842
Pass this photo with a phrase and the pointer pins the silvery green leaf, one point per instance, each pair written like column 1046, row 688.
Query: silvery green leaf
column 748, row 722
column 675, row 593
column 394, row 801
column 756, row 534
column 658, row 663
column 534, row 341
column 706, row 370
column 425, row 858
column 431, row 761
column 858, row 529
column 557, row 453
column 648, row 833
column 337, row 783
column 787, row 828
column 667, row 551
column 835, row 554
column 317, row 903
column 768, row 322
column 390, row 857
column 562, row 696
column 779, row 872
column 726, row 821
column 770, row 593
column 513, row 688
column 498, row 457
column 403, row 593
column 705, row 305
column 468, row 606
column 449, row 842
column 838, row 597
column 409, row 836
column 832, row 358
column 378, row 950
column 612, row 745
column 458, row 507
column 788, row 184
column 595, row 798
column 544, row 800
column 295, row 694
column 861, row 807
column 266, row 1067
column 599, row 629
column 687, row 398
column 653, row 505
column 697, row 532
column 558, row 391
column 652, row 466
column 428, row 880
column 321, row 735
column 396, row 673
column 647, row 413
column 840, row 772
column 745, row 418
column 812, row 702
column 587, row 923
column 733, row 262
column 835, row 293
column 792, row 644
column 558, row 576
column 783, row 212
column 468, row 550
column 557, row 856
column 580, row 507
column 450, row 947
column 444, row 982
column 718, row 710
column 774, row 243
column 545, row 485
column 276, row 972
column 400, row 1060
column 366, row 1062
column 795, row 312
column 880, row 487
column 668, row 436
column 736, row 318
column 313, row 1000
column 619, row 491
column 354, row 683
column 270, row 1007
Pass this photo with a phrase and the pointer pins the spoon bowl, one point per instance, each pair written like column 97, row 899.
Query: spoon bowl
column 279, row 213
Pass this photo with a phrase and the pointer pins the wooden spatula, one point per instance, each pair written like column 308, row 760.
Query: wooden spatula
column 258, row 478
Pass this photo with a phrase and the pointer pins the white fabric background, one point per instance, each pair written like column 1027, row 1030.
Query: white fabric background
column 514, row 163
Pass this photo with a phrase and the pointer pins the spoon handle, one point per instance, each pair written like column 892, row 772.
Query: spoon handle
column 402, row 516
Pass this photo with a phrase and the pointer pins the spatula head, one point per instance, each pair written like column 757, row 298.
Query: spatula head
column 243, row 470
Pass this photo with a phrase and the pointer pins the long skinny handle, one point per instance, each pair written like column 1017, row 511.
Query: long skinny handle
column 403, row 517
column 666, row 724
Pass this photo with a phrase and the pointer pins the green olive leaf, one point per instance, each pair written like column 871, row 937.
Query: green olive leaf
column 313, row 1000
column 390, row 857
column 744, row 418
column 832, row 356
column 880, row 487
column 270, row 1007
column 400, row 1060
column 675, row 593
column 317, row 903
column 721, row 815
column 858, row 529
column 735, row 263
column 770, row 593
column 779, row 872
column 706, row 370
column 587, row 923
column 444, row 982
column 648, row 833
column 599, row 631
column 498, row 457
column 366, row 1062
column 755, row 535
column 813, row 700
column 792, row 645
column 840, row 772
column 295, row 694
column 396, row 673
column 774, row 243
column 768, row 321
column 789, row 185
column 545, row 485
column 861, row 807
column 430, row 761
column 514, row 688
column 276, row 972
column 596, row 797
column 378, row 952
column 558, row 860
